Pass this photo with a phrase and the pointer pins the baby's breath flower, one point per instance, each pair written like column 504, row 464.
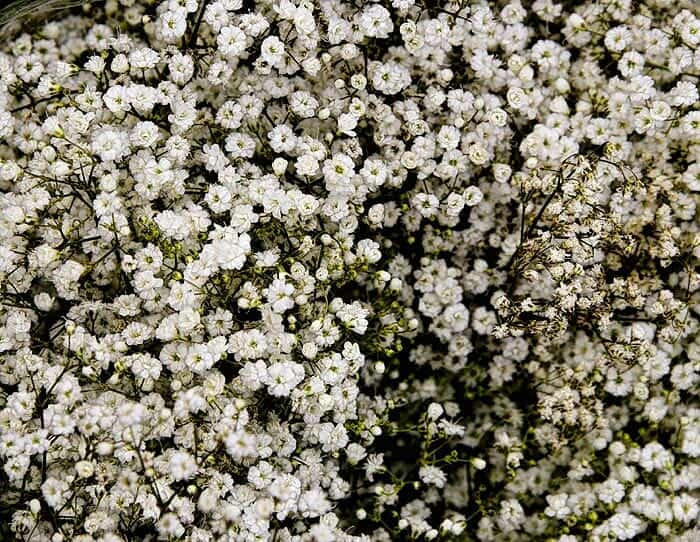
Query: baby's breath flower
column 317, row 271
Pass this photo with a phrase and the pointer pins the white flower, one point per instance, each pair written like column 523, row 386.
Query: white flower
column 241, row 444
column 182, row 466
column 332, row 437
column 85, row 469
column 354, row 316
column 655, row 457
column 110, row 145
column 255, row 256
column 611, row 491
column 231, row 41
column 306, row 164
column 272, row 50
column 279, row 294
column 313, row 503
column 281, row 378
column 516, row 98
column 376, row 22
column 625, row 526
column 282, row 139
column 435, row 410
column 55, row 492
column 355, row 453
column 472, row 196
column 172, row 24
column 181, row 68
column 685, row 508
column 432, row 475
column 390, row 78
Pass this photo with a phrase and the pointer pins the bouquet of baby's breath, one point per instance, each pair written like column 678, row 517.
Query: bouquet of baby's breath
column 328, row 271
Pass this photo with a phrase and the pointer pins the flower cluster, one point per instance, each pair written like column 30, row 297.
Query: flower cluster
column 339, row 271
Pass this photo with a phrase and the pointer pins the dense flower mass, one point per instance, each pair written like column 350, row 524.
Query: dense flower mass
column 351, row 271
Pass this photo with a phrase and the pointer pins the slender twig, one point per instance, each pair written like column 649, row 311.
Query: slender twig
column 195, row 29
